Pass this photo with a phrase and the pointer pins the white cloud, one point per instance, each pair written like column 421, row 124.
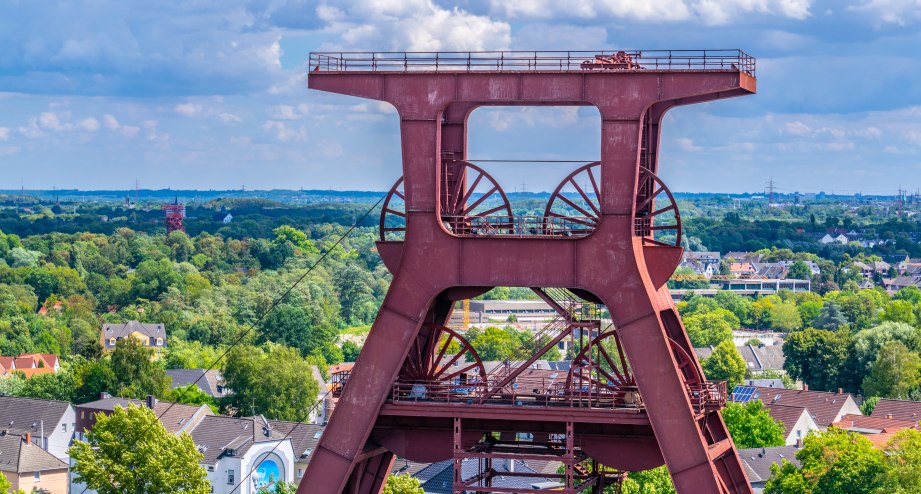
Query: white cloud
column 687, row 144
column 898, row 12
column 797, row 128
column 413, row 25
column 284, row 132
column 129, row 131
column 229, row 117
column 708, row 11
column 4, row 133
column 88, row 125
column 50, row 121
column 532, row 116
column 188, row 109
column 110, row 122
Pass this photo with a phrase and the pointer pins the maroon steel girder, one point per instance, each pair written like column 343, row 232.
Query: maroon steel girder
column 433, row 266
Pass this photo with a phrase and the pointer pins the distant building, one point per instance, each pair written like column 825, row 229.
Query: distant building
column 825, row 408
column 30, row 468
column 50, row 424
column 304, row 440
column 209, row 381
column 765, row 287
column 150, row 335
column 898, row 409
column 759, row 358
column 484, row 311
column 758, row 461
column 797, row 422
column 30, row 364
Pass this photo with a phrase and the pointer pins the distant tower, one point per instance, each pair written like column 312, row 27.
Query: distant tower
column 175, row 213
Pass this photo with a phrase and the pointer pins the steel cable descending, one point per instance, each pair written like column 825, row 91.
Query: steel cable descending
column 275, row 303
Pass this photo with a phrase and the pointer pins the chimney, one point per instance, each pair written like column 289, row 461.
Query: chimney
column 799, row 443
column 151, row 401
column 104, row 396
column 805, row 387
column 888, row 415
column 840, row 391
column 27, row 438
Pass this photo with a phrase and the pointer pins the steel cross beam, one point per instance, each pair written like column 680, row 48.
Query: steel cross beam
column 434, row 266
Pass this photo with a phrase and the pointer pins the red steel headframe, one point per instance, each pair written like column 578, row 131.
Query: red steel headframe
column 598, row 242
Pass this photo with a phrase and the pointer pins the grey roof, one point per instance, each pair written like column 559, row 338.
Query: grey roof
column 216, row 434
column 304, row 437
column 175, row 417
column 121, row 330
column 441, row 475
column 765, row 383
column 209, row 381
column 758, row 461
column 703, row 352
column 109, row 404
column 22, row 412
column 16, row 455
column 763, row 357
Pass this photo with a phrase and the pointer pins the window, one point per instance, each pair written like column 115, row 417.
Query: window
column 38, row 476
column 159, row 341
column 210, row 468
column 230, row 479
column 300, row 472
column 63, row 427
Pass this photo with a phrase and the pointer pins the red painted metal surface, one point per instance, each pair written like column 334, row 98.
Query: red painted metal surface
column 637, row 397
column 174, row 214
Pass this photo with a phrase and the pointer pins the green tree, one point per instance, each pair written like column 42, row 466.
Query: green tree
column 869, row 405
column 710, row 328
column 831, row 317
column 898, row 311
column 751, row 426
column 130, row 451
column 494, row 343
column 903, row 453
column 833, row 462
column 653, row 481
column 868, row 342
column 785, row 317
column 137, row 374
column 725, row 364
column 910, row 293
column 799, row 271
column 817, row 357
column 402, row 484
column 895, row 373
column 273, row 380
column 153, row 278
column 350, row 351
column 191, row 394
column 301, row 327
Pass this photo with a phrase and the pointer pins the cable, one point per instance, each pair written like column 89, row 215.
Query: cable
column 262, row 317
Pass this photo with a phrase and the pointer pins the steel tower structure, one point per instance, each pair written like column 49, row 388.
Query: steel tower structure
column 634, row 396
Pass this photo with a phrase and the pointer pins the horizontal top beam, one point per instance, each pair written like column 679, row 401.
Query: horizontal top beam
column 534, row 61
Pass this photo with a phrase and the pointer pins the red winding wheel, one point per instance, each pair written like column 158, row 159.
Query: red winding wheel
column 393, row 214
column 574, row 208
column 441, row 358
column 472, row 202
column 600, row 371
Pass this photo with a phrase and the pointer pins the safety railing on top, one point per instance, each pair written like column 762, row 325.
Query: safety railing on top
column 527, row 61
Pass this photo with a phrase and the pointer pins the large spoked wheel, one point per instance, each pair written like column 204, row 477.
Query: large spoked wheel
column 600, row 372
column 474, row 203
column 575, row 206
column 393, row 214
column 445, row 360
column 658, row 227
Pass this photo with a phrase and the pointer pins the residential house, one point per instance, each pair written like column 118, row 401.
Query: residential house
column 735, row 256
column 29, row 467
column 50, row 424
column 209, row 381
column 757, row 463
column 701, row 268
column 813, row 266
column 176, row 417
column 710, row 258
column 243, row 455
column 797, row 422
column 743, row 270
column 828, row 239
column 872, row 270
column 826, row 408
column 150, row 335
column 770, row 270
column 304, row 440
column 30, row 364
column 904, row 282
column 320, row 416
column 759, row 358
column 879, row 430
column 898, row 409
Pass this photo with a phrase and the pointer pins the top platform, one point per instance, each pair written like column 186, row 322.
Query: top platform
column 535, row 61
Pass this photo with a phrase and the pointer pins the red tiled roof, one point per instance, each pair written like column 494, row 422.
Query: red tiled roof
column 823, row 406
column 898, row 409
column 786, row 415
column 24, row 362
column 883, row 424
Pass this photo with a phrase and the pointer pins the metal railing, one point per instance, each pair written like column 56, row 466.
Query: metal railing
column 708, row 396
column 518, row 226
column 533, row 61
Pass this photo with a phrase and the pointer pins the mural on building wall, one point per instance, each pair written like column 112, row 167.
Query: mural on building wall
column 267, row 475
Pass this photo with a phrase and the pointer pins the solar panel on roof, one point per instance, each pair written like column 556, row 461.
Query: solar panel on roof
column 743, row 394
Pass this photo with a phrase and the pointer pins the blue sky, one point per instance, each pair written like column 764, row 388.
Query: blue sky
column 96, row 94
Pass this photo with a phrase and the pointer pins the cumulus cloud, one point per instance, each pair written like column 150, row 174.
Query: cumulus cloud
column 88, row 125
column 110, row 122
column 4, row 133
column 229, row 117
column 708, row 11
column 285, row 132
column 898, row 12
column 188, row 109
